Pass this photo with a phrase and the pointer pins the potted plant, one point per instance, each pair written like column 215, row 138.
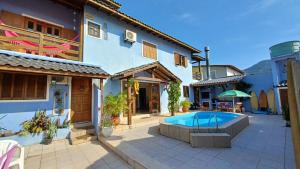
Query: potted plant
column 286, row 115
column 114, row 105
column 106, row 124
column 185, row 105
column 50, row 133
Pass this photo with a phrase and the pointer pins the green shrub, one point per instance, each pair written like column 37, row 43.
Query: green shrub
column 186, row 103
column 36, row 125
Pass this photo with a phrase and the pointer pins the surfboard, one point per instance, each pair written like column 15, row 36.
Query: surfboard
column 254, row 101
column 271, row 100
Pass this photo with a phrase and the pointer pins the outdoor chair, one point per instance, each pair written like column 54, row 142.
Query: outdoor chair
column 17, row 155
column 6, row 158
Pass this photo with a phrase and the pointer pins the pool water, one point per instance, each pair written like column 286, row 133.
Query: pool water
column 205, row 119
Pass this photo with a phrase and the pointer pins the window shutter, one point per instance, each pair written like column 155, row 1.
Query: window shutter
column 6, row 85
column 149, row 50
column 19, row 84
column 185, row 62
column 41, row 87
column 31, row 87
column 177, row 58
column 22, row 87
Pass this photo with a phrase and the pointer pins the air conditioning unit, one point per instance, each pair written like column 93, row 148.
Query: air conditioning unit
column 130, row 36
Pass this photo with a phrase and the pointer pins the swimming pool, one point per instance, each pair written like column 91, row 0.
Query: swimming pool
column 205, row 119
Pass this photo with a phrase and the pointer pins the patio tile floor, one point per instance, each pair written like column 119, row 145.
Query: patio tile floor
column 62, row 155
column 265, row 144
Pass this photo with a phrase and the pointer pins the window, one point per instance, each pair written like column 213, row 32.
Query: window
column 30, row 25
column 186, row 91
column 49, row 30
column 149, row 50
column 56, row 32
column 213, row 74
column 43, row 27
column 93, row 29
column 205, row 95
column 39, row 28
column 180, row 60
column 22, row 87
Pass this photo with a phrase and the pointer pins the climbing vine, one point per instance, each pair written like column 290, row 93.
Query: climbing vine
column 174, row 94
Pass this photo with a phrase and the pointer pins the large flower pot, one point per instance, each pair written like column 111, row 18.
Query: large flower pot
column 106, row 131
column 185, row 109
column 115, row 120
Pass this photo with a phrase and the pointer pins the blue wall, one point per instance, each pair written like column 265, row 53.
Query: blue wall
column 16, row 112
column 114, row 54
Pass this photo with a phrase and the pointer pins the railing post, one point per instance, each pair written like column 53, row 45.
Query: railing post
column 41, row 43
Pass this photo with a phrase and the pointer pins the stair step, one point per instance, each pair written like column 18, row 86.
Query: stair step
column 77, row 132
column 83, row 139
column 81, row 124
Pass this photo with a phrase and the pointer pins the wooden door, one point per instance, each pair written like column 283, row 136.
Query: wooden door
column 81, row 100
column 154, row 100
column 263, row 101
column 284, row 97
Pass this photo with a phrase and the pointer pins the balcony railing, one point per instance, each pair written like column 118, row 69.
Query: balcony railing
column 21, row 40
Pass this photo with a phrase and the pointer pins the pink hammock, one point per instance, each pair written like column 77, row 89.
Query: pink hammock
column 53, row 49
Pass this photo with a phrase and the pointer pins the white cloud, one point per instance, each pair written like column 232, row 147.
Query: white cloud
column 187, row 17
column 255, row 6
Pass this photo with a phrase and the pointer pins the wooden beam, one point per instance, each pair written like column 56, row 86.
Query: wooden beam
column 102, row 99
column 129, row 118
column 6, row 68
column 149, row 79
column 294, row 105
column 81, row 36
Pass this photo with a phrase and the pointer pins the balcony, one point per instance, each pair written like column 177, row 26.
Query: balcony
column 22, row 40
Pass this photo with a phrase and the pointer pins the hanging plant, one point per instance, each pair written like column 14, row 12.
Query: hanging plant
column 130, row 82
column 136, row 87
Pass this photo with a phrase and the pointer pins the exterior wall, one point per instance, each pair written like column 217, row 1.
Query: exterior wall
column 232, row 72
column 16, row 112
column 114, row 54
column 45, row 9
column 279, row 73
column 221, row 71
column 260, row 81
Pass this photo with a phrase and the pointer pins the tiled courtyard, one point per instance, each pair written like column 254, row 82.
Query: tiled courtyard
column 61, row 155
column 265, row 144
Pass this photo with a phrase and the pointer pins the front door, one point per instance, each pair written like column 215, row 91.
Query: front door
column 81, row 99
column 154, row 101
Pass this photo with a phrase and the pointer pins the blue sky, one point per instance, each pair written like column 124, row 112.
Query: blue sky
column 239, row 32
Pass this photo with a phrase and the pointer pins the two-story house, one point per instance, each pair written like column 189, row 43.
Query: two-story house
column 209, row 86
column 56, row 54
column 128, row 48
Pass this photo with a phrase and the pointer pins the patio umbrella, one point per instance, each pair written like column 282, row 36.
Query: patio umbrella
column 233, row 94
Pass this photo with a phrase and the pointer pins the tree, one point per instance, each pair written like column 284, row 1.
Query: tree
column 244, row 86
column 174, row 94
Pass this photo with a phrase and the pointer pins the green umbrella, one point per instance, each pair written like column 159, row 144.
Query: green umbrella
column 233, row 94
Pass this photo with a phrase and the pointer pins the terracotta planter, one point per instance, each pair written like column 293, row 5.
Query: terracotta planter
column 185, row 109
column 115, row 120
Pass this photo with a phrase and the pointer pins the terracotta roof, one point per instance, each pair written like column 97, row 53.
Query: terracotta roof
column 218, row 81
column 42, row 64
column 154, row 65
column 130, row 20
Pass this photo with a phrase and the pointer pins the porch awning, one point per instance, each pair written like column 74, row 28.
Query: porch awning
column 160, row 72
column 27, row 63
column 219, row 81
